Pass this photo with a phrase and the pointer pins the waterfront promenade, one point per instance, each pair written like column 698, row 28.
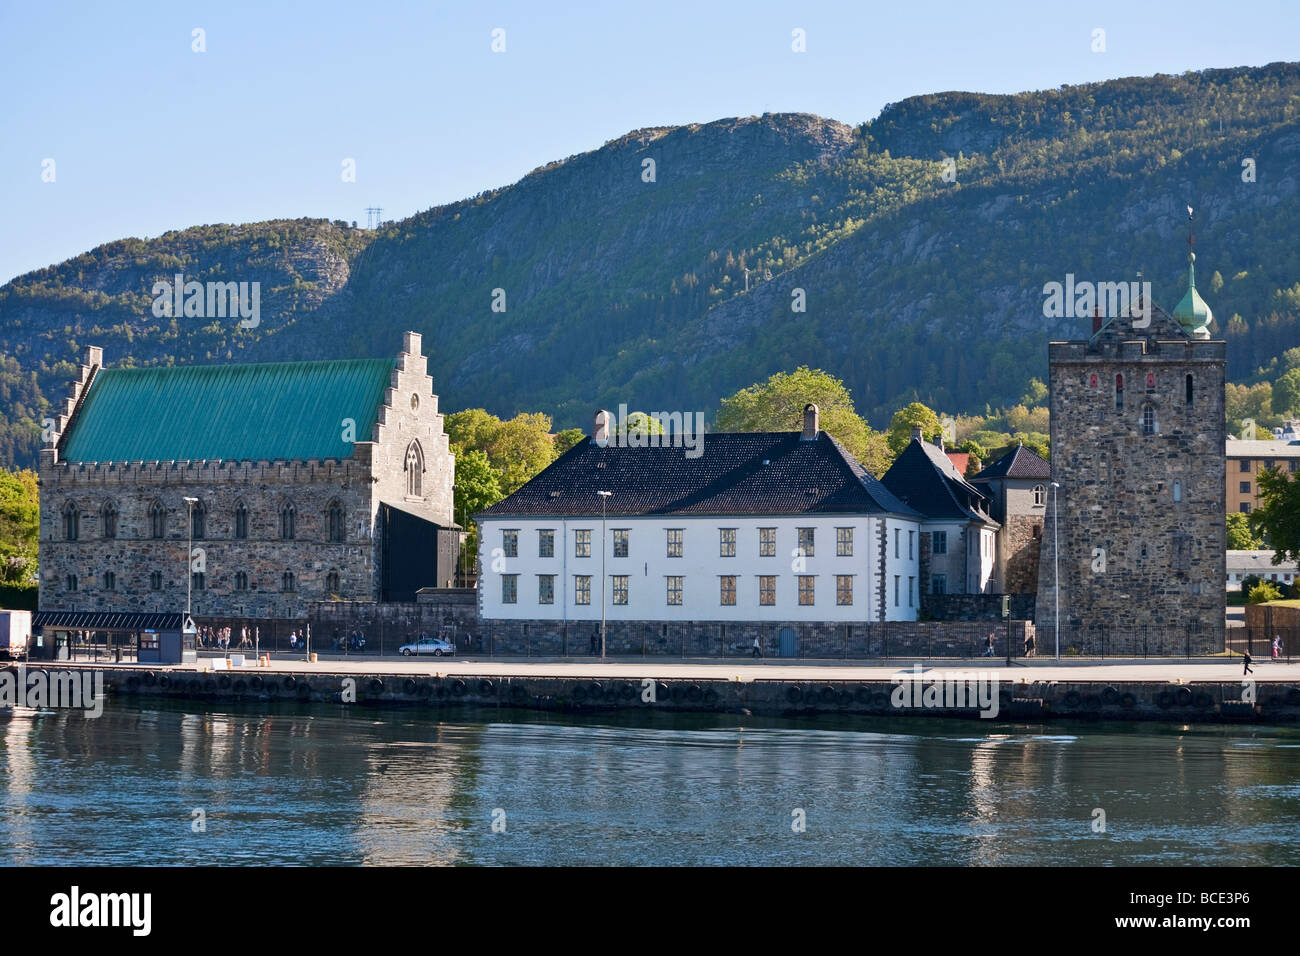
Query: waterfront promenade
column 1041, row 669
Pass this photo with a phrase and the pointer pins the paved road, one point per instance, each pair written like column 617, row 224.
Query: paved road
column 1034, row 670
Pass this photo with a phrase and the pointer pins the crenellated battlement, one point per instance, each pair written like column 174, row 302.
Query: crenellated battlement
column 305, row 471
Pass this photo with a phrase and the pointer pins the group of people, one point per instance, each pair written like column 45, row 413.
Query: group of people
column 224, row 638
column 297, row 639
column 354, row 642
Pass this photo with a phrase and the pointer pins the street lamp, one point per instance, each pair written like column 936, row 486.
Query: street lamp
column 604, row 496
column 189, row 556
column 1056, row 557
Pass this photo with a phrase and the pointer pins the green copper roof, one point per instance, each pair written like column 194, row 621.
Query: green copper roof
column 281, row 410
column 1192, row 312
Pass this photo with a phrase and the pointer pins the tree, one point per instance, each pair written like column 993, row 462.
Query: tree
column 567, row 439
column 1036, row 395
column 1286, row 393
column 518, row 448
column 905, row 419
column 478, row 486
column 1239, row 535
column 1277, row 516
column 1263, row 592
column 778, row 404
column 19, row 526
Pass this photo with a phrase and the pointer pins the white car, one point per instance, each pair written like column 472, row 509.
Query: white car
column 436, row 646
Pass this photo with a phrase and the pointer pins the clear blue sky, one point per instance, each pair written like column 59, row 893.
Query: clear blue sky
column 149, row 136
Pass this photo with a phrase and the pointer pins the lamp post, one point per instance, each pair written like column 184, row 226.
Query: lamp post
column 604, row 497
column 189, row 556
column 1056, row 558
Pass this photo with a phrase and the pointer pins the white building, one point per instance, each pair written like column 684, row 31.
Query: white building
column 759, row 527
column 1242, row 564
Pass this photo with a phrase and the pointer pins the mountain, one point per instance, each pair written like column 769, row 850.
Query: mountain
column 923, row 280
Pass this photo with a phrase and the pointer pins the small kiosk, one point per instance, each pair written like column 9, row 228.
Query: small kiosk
column 113, row 637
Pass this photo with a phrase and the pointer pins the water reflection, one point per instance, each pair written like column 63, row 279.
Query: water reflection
column 329, row 785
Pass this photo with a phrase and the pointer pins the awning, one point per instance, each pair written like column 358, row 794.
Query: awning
column 109, row 621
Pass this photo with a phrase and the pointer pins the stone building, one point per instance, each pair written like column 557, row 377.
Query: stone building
column 1138, row 444
column 1016, row 485
column 310, row 481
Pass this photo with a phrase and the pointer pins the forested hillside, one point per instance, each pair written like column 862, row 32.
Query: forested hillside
column 918, row 286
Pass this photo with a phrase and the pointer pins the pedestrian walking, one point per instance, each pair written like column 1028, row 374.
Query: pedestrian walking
column 595, row 642
column 758, row 648
column 1246, row 661
column 1277, row 646
column 988, row 645
column 1029, row 645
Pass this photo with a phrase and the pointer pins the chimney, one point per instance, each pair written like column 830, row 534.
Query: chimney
column 600, row 430
column 811, row 422
column 940, row 442
column 916, row 433
column 1096, row 319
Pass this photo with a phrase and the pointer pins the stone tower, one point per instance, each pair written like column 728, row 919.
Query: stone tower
column 1138, row 459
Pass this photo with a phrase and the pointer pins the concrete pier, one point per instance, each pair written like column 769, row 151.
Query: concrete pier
column 1187, row 691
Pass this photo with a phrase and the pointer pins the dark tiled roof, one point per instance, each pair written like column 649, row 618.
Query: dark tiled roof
column 730, row 477
column 1019, row 462
column 927, row 480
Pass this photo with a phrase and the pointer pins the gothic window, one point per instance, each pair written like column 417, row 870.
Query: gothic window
column 1119, row 393
column 110, row 581
column 1148, row 420
column 1040, row 494
column 109, row 520
column 288, row 519
column 241, row 581
column 71, row 523
column 198, row 520
column 287, row 581
column 1189, row 391
column 72, row 582
column 414, row 470
column 241, row 520
column 155, row 580
column 335, row 521
column 199, row 580
column 332, row 582
column 157, row 520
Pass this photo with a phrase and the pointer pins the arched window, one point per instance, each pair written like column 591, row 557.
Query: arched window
column 109, row 520
column 286, row 581
column 110, row 581
column 199, row 580
column 334, row 521
column 288, row 518
column 332, row 582
column 1148, row 419
column 157, row 520
column 1040, row 494
column 1119, row 392
column 241, row 520
column 71, row 523
column 155, row 580
column 198, row 520
column 72, row 582
column 1189, row 391
column 241, row 581
column 414, row 470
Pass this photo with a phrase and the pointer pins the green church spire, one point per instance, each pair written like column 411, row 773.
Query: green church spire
column 1192, row 313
